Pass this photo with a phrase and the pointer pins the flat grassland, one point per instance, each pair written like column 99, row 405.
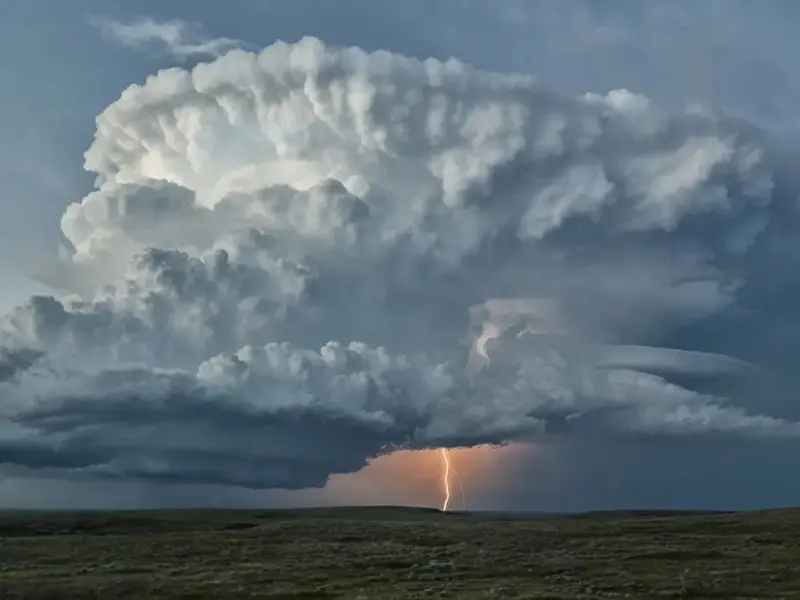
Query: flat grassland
column 396, row 553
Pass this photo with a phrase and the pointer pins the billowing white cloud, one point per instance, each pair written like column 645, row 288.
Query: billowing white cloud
column 298, row 259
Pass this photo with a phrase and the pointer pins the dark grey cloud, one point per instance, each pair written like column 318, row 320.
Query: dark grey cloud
column 13, row 362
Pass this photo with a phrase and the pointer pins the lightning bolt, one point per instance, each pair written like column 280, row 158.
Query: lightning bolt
column 446, row 481
column 446, row 478
column 461, row 487
column 494, row 309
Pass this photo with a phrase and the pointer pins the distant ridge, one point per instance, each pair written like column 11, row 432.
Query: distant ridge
column 382, row 512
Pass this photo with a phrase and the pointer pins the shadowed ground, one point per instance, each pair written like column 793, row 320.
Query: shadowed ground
column 396, row 553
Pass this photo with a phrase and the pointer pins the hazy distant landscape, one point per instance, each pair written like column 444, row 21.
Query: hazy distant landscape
column 398, row 553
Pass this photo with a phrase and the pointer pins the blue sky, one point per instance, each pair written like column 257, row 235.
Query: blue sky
column 59, row 71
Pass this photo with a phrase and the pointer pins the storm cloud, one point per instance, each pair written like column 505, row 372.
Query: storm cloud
column 299, row 259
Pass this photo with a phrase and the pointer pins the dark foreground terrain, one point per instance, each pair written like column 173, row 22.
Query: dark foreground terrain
column 392, row 553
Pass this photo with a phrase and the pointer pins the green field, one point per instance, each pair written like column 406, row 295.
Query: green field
column 395, row 553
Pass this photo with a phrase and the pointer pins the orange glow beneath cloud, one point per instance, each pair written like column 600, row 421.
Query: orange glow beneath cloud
column 415, row 477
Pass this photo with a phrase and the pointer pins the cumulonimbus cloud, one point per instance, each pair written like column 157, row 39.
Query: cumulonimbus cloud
column 298, row 259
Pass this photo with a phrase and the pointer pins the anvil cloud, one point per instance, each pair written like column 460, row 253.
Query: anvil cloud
column 298, row 259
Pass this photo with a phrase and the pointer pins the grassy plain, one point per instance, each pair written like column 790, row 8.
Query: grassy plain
column 396, row 553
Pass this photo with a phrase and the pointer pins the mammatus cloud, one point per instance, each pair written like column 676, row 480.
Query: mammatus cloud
column 177, row 38
column 297, row 259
